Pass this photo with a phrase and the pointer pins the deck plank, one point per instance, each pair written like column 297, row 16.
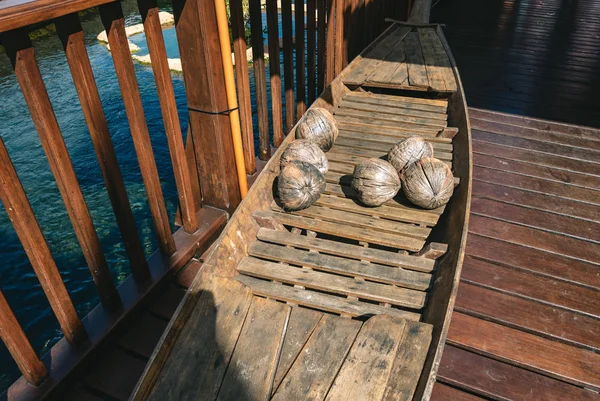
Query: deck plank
column 349, row 102
column 417, row 73
column 432, row 105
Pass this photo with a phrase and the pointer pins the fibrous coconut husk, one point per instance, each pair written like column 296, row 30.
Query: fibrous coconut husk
column 376, row 182
column 408, row 151
column 299, row 185
column 305, row 151
column 318, row 126
column 428, row 183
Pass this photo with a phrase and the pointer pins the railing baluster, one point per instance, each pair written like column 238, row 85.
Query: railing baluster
column 28, row 230
column 288, row 63
column 19, row 346
column 243, row 83
column 330, row 50
column 321, row 39
column 260, row 78
column 166, row 96
column 112, row 18
column 300, row 60
column 20, row 51
column 311, row 38
column 340, row 40
column 273, row 32
column 71, row 34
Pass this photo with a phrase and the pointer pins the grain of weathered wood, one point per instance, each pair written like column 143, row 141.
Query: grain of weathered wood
column 20, row 51
column 212, row 331
column 343, row 266
column 252, row 368
column 346, row 250
column 401, row 120
column 366, row 370
column 387, row 67
column 320, row 301
column 403, row 102
column 551, row 358
column 71, row 34
column 408, row 363
column 274, row 72
column 338, row 152
column 166, row 97
column 439, row 71
column 288, row 63
column 497, row 380
column 524, row 284
column 332, row 283
column 18, row 345
column 340, row 217
column 368, row 134
column 243, row 83
column 114, row 23
column 260, row 78
column 448, row 132
column 416, row 128
column 350, row 103
column 528, row 315
column 417, row 73
column 315, row 369
column 300, row 327
column 433, row 250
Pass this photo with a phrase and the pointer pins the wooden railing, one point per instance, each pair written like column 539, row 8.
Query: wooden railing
column 317, row 44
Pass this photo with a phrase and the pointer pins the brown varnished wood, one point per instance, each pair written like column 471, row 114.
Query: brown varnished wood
column 442, row 392
column 275, row 71
column 330, row 43
column 321, row 44
column 317, row 364
column 340, row 38
column 260, row 78
column 166, row 97
column 288, row 64
column 300, row 58
column 112, row 18
column 196, row 29
column 311, row 50
column 20, row 51
column 71, row 34
column 243, row 84
column 499, row 380
column 557, row 360
column 19, row 346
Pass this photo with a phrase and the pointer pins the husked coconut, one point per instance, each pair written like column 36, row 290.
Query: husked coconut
column 318, row 126
column 305, row 151
column 428, row 183
column 376, row 182
column 408, row 151
column 299, row 185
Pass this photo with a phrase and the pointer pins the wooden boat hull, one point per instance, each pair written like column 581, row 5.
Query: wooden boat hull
column 233, row 245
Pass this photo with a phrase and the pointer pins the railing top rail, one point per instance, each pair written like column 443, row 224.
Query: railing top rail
column 20, row 13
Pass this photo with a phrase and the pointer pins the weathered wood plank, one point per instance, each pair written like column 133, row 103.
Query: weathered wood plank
column 351, row 103
column 419, row 122
column 318, row 300
column 432, row 62
column 212, row 331
column 387, row 125
column 315, row 369
column 347, row 267
column 417, row 73
column 340, row 150
column 416, row 103
column 332, row 283
column 384, row 71
column 408, row 363
column 300, row 327
column 370, row 134
column 442, row 392
column 551, row 358
column 274, row 72
column 436, row 57
column 346, row 250
column 252, row 368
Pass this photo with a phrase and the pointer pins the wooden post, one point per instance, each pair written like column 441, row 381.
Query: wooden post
column 288, row 63
column 330, row 45
column 166, row 96
column 311, row 59
column 71, row 34
column 340, row 39
column 273, row 32
column 321, row 40
column 19, row 346
column 243, row 83
column 199, row 47
column 27, row 228
column 112, row 18
column 20, row 51
column 300, row 60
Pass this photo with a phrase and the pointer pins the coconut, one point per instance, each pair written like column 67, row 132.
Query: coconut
column 376, row 182
column 428, row 183
column 299, row 185
column 408, row 151
column 305, row 151
column 318, row 126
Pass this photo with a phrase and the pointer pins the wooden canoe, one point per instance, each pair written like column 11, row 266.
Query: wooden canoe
column 337, row 301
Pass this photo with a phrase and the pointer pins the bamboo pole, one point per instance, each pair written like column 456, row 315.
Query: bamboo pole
column 234, row 116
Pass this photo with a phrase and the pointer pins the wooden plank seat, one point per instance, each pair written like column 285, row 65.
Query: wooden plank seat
column 409, row 58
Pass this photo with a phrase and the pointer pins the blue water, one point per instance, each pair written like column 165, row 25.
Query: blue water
column 17, row 279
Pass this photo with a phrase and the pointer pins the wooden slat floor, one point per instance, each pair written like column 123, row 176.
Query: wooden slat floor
column 539, row 58
column 526, row 323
